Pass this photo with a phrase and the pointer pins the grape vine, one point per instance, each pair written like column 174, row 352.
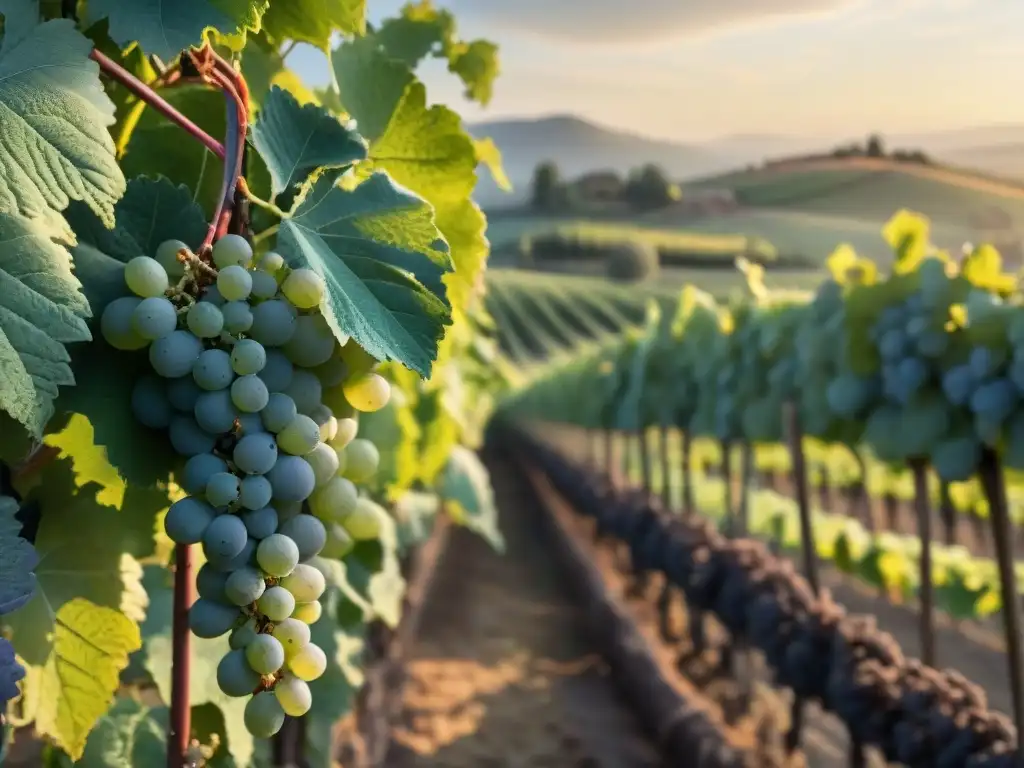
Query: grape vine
column 233, row 315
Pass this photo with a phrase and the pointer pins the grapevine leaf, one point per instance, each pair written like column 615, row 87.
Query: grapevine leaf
column 490, row 157
column 334, row 692
column 378, row 250
column 130, row 734
column 263, row 66
column 467, row 492
column 476, row 64
column 297, row 142
column 11, row 673
column 152, row 210
column 41, row 310
column 18, row 560
column 54, row 145
column 424, row 149
column 372, row 570
column 158, row 148
column 414, row 513
column 206, row 655
column 314, row 21
column 165, row 29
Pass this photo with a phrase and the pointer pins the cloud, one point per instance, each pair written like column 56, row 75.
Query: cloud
column 609, row 21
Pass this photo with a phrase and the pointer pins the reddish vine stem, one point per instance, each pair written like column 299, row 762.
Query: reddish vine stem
column 116, row 72
column 181, row 658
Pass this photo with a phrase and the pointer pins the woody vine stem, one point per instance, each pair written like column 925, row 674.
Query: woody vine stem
column 204, row 66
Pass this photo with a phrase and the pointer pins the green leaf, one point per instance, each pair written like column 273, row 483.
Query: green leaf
column 18, row 560
column 206, row 655
column 372, row 570
column 467, row 492
column 476, row 64
column 396, row 433
column 424, row 149
column 41, row 310
column 165, row 29
column 152, row 210
column 131, row 734
column 298, row 142
column 54, row 145
column 75, row 635
column 314, row 21
column 159, row 148
column 335, row 691
column 378, row 250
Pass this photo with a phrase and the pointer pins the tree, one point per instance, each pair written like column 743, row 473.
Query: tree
column 546, row 187
column 875, row 146
column 649, row 188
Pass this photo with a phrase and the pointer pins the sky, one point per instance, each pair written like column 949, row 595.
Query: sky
column 707, row 69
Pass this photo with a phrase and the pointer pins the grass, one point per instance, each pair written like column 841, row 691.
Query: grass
column 872, row 190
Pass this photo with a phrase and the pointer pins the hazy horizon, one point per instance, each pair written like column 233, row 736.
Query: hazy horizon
column 688, row 71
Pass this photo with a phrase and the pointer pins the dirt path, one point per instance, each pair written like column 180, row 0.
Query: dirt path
column 502, row 674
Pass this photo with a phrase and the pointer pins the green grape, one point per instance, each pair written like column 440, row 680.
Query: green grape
column 260, row 522
column 361, row 460
column 294, row 696
column 345, row 433
column 313, row 342
column 222, row 489
column 248, row 357
column 279, row 412
column 234, row 283
column 367, row 393
column 286, row 510
column 118, row 327
column 332, row 372
column 364, row 523
column 304, row 288
column 273, row 322
column 146, row 277
column 208, row 619
column 339, row 543
column 245, row 587
column 305, row 389
column 243, row 635
column 232, row 250
column 198, row 471
column 264, row 285
column 307, row 532
column 308, row 663
column 277, row 604
column 249, row 393
column 234, row 675
column 265, row 654
column 308, row 613
column 300, row 437
column 205, row 320
column 263, row 715
column 306, row 583
column 334, row 500
column 167, row 255
column 292, row 479
column 324, row 461
column 237, row 317
column 292, row 634
column 271, row 261
column 255, row 492
column 357, row 360
column 212, row 370
column 155, row 318
column 277, row 555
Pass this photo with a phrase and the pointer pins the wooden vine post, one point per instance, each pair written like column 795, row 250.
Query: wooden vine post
column 663, row 463
column 809, row 556
column 994, row 485
column 923, row 510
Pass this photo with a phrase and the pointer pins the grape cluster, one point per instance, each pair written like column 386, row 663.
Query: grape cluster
column 243, row 362
column 915, row 715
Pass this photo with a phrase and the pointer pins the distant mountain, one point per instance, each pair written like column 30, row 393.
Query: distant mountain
column 579, row 146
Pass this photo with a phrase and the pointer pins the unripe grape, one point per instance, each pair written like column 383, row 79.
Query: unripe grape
column 205, row 320
column 222, row 489
column 237, row 317
column 292, row 634
column 308, row 613
column 334, row 500
column 232, row 250
column 305, row 583
column 277, row 555
column 263, row 715
column 304, row 288
column 248, row 357
column 309, row 663
column 357, row 360
column 167, row 255
column 300, row 437
column 364, row 523
column 155, row 318
column 265, row 654
column 277, row 603
column 234, row 283
column 145, row 277
column 118, row 327
column 361, row 460
column 294, row 696
column 367, row 393
column 271, row 261
column 345, row 433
